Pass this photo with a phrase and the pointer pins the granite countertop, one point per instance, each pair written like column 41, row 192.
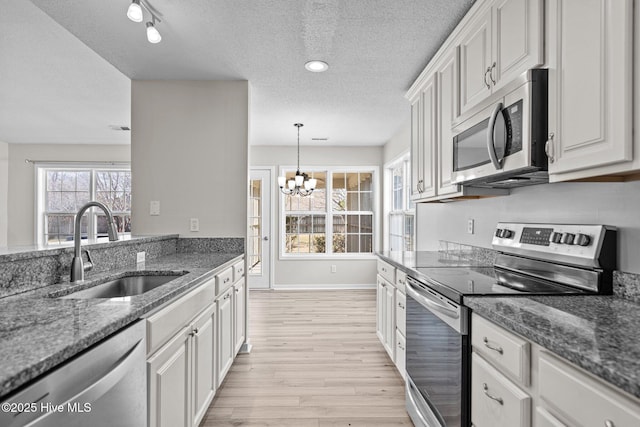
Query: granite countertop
column 409, row 261
column 598, row 333
column 38, row 331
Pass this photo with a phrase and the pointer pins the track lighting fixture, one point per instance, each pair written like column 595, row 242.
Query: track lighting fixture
column 136, row 14
column 135, row 11
column 152, row 32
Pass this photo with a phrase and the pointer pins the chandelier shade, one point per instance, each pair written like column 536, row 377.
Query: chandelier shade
column 301, row 184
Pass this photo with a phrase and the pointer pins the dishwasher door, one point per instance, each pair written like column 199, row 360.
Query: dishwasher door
column 105, row 385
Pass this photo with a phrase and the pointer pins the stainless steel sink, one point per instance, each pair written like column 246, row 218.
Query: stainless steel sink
column 124, row 286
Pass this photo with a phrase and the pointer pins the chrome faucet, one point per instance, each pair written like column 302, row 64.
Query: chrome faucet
column 77, row 265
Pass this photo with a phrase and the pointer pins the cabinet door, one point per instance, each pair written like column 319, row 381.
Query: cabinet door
column 380, row 308
column 225, row 334
column 416, row 148
column 390, row 320
column 475, row 62
column 401, row 354
column 169, row 383
column 447, row 111
column 517, row 39
column 590, row 76
column 204, row 372
column 238, row 314
column 429, row 142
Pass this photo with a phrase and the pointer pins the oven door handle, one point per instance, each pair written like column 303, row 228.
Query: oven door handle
column 432, row 304
column 491, row 143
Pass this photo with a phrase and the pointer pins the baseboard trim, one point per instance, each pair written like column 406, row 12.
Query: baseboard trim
column 323, row 286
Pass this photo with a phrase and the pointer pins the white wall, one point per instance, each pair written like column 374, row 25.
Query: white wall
column 189, row 151
column 317, row 273
column 4, row 191
column 616, row 204
column 21, row 188
column 399, row 144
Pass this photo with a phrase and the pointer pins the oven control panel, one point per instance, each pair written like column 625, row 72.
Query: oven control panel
column 584, row 245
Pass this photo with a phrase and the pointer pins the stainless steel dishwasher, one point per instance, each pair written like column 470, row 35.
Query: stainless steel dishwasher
column 105, row 385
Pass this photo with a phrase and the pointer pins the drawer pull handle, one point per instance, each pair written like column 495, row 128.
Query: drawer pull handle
column 492, row 347
column 485, row 387
column 400, row 346
column 401, row 306
column 226, row 280
column 609, row 423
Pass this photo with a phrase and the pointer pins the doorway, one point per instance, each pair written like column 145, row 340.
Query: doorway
column 259, row 235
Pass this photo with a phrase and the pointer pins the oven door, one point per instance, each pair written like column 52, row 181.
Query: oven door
column 437, row 359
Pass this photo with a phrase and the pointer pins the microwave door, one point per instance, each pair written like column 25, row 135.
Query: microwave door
column 497, row 137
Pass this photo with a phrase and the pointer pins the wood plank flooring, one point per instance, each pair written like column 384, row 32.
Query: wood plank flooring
column 316, row 362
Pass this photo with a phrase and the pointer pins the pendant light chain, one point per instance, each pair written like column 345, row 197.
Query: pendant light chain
column 301, row 184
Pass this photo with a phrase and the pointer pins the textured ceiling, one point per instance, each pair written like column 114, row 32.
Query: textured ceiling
column 375, row 49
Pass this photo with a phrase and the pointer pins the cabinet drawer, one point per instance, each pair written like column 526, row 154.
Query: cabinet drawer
column 387, row 271
column 224, row 279
column 582, row 399
column 545, row 419
column 238, row 270
column 401, row 281
column 401, row 313
column 168, row 321
column 507, row 351
column 495, row 400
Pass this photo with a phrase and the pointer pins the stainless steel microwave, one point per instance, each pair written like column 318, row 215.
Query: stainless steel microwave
column 503, row 145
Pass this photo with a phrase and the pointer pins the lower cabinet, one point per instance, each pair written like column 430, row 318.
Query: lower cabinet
column 385, row 315
column 181, row 375
column 225, row 347
column 239, row 314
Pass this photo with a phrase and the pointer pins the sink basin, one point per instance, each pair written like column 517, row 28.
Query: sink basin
column 124, row 286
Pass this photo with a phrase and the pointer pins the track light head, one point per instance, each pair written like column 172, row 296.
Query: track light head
column 135, row 11
column 153, row 35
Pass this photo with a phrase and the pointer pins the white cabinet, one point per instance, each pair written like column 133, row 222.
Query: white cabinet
column 239, row 314
column 503, row 40
column 204, row 372
column 590, row 81
column 225, row 347
column 423, row 142
column 168, row 373
column 181, row 375
column 385, row 315
column 401, row 354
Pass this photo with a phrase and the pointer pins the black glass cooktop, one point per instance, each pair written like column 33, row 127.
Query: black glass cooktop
column 455, row 283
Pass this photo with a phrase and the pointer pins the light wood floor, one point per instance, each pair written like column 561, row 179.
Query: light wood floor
column 316, row 362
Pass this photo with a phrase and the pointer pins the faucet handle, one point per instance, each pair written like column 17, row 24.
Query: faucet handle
column 89, row 264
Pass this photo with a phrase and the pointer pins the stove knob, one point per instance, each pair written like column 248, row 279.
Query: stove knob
column 582, row 240
column 567, row 239
column 555, row 237
column 507, row 234
column 498, row 232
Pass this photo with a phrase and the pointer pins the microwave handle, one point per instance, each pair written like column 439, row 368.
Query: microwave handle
column 490, row 139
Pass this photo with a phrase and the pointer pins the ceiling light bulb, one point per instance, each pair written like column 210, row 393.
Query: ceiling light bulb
column 135, row 11
column 316, row 66
column 152, row 33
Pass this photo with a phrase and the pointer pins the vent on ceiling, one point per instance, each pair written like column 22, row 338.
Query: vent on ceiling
column 319, row 139
column 116, row 127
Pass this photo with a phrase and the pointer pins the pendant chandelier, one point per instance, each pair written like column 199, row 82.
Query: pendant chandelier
column 301, row 184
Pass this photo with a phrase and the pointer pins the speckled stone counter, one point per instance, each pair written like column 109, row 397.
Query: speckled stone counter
column 38, row 331
column 601, row 334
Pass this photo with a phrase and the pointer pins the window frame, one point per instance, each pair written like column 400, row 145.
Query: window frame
column 40, row 191
column 329, row 213
column 409, row 210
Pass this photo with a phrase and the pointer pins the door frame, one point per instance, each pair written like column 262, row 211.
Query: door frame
column 272, row 231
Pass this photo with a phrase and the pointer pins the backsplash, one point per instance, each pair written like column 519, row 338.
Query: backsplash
column 25, row 271
column 625, row 285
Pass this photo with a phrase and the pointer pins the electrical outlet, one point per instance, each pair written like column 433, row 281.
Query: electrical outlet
column 194, row 224
column 140, row 256
column 333, row 268
column 470, row 226
column 154, row 207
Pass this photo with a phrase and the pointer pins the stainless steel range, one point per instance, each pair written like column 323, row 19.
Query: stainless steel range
column 534, row 259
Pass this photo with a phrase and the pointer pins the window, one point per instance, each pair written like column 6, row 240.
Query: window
column 336, row 219
column 62, row 191
column 401, row 209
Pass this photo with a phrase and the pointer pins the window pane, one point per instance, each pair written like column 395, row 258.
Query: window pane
column 339, row 192
column 352, row 202
column 352, row 243
column 339, row 224
column 353, row 223
column 352, row 181
column 68, row 181
column 366, row 179
column 68, row 201
column 366, row 243
column 54, row 180
column 83, row 181
column 338, row 243
column 54, row 201
column 366, row 201
column 366, row 223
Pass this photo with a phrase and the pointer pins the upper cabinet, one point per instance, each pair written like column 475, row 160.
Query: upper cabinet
column 423, row 142
column 590, row 80
column 502, row 40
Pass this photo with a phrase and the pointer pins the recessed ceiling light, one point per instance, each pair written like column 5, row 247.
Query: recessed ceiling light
column 316, row 66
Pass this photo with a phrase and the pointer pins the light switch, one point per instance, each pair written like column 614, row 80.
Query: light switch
column 194, row 224
column 154, row 207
